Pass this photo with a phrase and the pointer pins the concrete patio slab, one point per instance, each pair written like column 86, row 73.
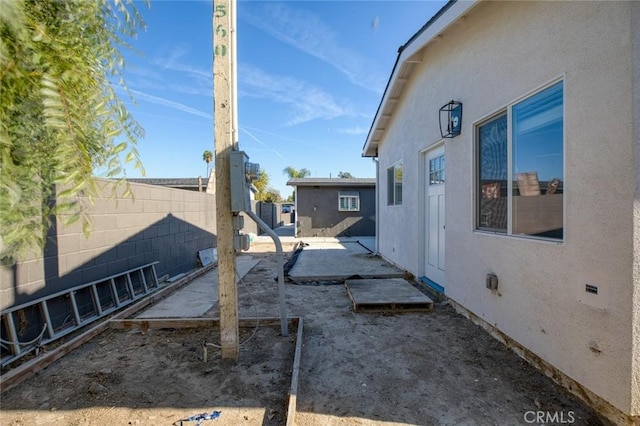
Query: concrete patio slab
column 195, row 299
column 368, row 242
column 339, row 260
column 394, row 294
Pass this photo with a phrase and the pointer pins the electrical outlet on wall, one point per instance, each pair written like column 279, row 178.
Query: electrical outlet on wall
column 492, row 281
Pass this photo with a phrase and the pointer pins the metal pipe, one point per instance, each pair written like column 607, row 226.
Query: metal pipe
column 276, row 240
column 377, row 192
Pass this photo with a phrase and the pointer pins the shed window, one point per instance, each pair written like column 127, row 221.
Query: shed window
column 349, row 201
column 520, row 176
column 394, row 184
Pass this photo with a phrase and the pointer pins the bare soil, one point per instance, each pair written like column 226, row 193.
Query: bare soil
column 431, row 368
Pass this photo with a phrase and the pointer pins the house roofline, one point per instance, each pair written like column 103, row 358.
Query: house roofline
column 405, row 62
column 332, row 182
column 171, row 182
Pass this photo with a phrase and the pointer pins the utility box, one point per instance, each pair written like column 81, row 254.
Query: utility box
column 492, row 281
column 241, row 242
column 242, row 174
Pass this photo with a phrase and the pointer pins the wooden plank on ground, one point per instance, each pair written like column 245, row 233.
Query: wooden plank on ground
column 293, row 390
column 386, row 295
column 163, row 323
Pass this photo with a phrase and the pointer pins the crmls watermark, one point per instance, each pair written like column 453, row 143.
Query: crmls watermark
column 555, row 417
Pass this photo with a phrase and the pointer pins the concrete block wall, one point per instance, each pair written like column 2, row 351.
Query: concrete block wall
column 159, row 224
column 250, row 227
column 269, row 213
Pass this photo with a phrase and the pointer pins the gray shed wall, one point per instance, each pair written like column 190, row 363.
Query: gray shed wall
column 318, row 215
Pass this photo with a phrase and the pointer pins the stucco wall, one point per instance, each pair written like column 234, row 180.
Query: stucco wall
column 159, row 224
column 500, row 53
column 635, row 336
column 318, row 215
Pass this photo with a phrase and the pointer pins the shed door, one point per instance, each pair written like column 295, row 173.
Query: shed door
column 434, row 261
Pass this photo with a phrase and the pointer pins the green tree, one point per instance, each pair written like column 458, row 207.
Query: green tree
column 345, row 175
column 295, row 173
column 207, row 157
column 261, row 185
column 272, row 196
column 60, row 118
column 266, row 193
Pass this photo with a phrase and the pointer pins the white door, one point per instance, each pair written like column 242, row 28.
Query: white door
column 434, row 262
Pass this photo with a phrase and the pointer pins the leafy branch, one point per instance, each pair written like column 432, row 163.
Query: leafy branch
column 60, row 118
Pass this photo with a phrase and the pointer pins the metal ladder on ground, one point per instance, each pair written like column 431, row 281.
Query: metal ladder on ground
column 24, row 328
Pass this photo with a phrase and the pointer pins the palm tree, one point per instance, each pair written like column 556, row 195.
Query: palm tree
column 295, row 173
column 207, row 157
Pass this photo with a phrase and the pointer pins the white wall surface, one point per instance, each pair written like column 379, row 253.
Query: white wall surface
column 501, row 52
column 635, row 381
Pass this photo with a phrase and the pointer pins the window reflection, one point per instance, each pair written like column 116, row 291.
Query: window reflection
column 536, row 168
column 492, row 155
column 538, row 164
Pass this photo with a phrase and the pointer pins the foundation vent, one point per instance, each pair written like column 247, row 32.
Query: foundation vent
column 590, row 288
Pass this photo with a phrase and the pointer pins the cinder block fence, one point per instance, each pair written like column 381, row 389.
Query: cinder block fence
column 158, row 224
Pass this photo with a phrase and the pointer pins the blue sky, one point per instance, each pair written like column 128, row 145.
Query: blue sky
column 310, row 78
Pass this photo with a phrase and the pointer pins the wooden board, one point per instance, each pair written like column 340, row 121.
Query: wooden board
column 163, row 323
column 386, row 295
column 293, row 389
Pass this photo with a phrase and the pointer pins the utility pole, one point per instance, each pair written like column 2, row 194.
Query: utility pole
column 225, row 134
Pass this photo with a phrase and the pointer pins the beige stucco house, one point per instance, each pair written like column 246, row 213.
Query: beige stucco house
column 532, row 224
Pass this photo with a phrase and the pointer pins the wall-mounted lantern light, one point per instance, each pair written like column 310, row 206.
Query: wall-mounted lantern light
column 451, row 119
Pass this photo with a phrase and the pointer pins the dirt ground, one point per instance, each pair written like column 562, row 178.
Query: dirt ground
column 432, row 368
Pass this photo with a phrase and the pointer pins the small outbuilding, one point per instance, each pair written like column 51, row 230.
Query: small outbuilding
column 334, row 207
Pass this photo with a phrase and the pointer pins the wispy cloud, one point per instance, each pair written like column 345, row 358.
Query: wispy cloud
column 200, row 79
column 280, row 137
column 175, row 61
column 307, row 101
column 172, row 118
column 353, row 131
column 255, row 138
column 171, row 66
column 170, row 104
column 145, row 72
column 307, row 32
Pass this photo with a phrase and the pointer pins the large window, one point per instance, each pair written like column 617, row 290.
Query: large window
column 520, row 175
column 349, row 201
column 394, row 184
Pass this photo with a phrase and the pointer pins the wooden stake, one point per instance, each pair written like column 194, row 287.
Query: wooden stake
column 223, row 83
